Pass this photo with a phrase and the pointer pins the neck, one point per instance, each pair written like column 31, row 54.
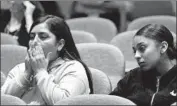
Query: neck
column 164, row 66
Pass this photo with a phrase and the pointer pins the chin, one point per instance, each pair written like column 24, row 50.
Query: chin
column 145, row 68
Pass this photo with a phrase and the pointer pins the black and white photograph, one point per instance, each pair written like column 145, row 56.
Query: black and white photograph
column 88, row 52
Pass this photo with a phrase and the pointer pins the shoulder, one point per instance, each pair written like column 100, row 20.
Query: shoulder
column 73, row 63
column 133, row 74
column 18, row 69
column 70, row 66
column 20, row 66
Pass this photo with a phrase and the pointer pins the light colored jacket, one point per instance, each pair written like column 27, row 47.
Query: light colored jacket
column 63, row 80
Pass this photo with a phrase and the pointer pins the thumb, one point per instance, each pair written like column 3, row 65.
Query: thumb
column 27, row 62
column 48, row 56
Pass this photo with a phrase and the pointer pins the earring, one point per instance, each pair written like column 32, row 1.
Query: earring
column 162, row 49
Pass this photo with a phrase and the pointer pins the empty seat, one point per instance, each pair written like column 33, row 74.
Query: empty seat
column 101, row 82
column 83, row 37
column 3, row 78
column 11, row 55
column 168, row 21
column 11, row 100
column 8, row 39
column 174, row 38
column 104, row 57
column 96, row 99
column 149, row 8
column 124, row 42
column 102, row 28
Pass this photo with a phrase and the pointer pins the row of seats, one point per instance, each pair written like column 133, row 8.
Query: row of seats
column 140, row 8
column 104, row 30
column 92, row 99
column 123, row 41
column 107, row 58
column 94, row 29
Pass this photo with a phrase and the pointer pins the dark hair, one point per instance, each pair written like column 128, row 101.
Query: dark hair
column 61, row 30
column 159, row 33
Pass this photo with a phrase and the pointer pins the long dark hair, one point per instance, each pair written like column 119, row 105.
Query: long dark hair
column 61, row 30
column 159, row 33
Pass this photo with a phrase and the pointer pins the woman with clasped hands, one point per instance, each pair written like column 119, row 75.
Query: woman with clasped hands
column 52, row 70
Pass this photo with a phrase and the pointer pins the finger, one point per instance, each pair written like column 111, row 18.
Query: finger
column 27, row 61
column 29, row 54
column 37, row 51
column 48, row 56
column 27, row 57
column 39, row 47
column 39, row 57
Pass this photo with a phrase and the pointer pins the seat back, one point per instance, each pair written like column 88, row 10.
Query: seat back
column 149, row 8
column 102, row 28
column 11, row 100
column 124, row 42
column 95, row 99
column 3, row 78
column 83, row 37
column 104, row 57
column 168, row 21
column 8, row 39
column 174, row 6
column 174, row 39
column 101, row 82
column 11, row 55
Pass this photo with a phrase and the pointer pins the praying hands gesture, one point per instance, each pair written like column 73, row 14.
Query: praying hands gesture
column 37, row 59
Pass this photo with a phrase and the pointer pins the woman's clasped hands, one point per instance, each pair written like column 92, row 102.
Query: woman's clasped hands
column 37, row 60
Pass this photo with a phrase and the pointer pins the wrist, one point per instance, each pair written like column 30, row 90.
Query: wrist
column 39, row 71
column 40, row 75
column 25, row 80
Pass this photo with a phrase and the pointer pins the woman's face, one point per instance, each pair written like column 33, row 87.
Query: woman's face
column 146, row 52
column 40, row 34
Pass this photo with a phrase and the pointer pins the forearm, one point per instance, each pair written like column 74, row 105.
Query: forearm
column 54, row 91
column 45, row 85
column 14, row 86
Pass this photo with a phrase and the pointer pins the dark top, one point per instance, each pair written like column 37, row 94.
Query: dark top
column 143, row 88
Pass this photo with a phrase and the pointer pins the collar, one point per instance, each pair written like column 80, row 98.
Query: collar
column 167, row 77
column 149, row 77
column 59, row 61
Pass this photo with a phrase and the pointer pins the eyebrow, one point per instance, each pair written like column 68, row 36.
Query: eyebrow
column 138, row 44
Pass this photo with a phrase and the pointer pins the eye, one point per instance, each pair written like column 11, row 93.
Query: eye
column 134, row 50
column 43, row 35
column 32, row 35
column 142, row 48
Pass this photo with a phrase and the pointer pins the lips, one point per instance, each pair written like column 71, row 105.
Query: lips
column 141, row 64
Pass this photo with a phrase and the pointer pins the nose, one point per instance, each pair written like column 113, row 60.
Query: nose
column 137, row 55
column 35, row 41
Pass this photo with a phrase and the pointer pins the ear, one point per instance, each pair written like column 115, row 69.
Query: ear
column 164, row 46
column 61, row 44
